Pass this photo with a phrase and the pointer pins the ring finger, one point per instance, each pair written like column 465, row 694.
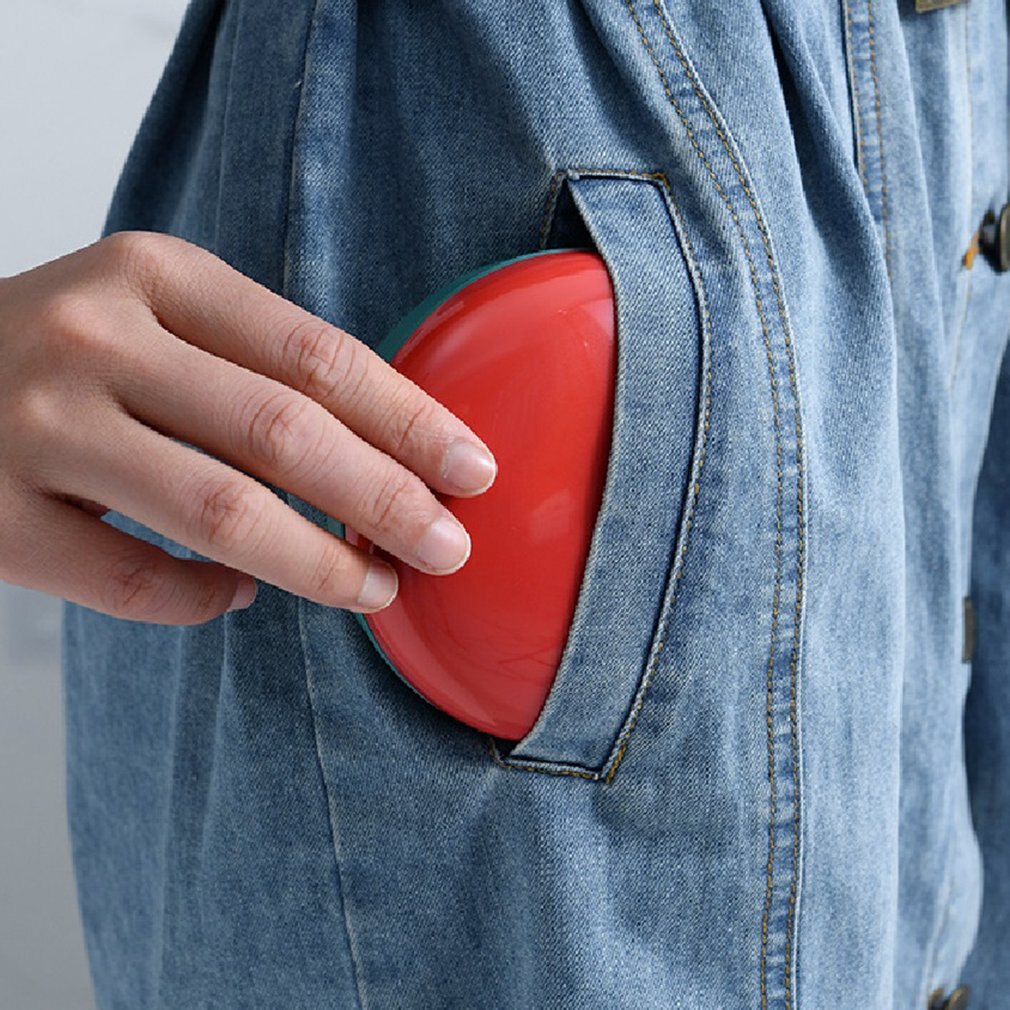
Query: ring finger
column 221, row 513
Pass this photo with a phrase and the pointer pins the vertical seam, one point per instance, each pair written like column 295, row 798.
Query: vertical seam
column 162, row 912
column 857, row 113
column 770, row 872
column 330, row 806
column 959, row 337
column 548, row 215
column 300, row 114
column 880, row 139
column 225, row 120
column 947, row 885
column 794, row 737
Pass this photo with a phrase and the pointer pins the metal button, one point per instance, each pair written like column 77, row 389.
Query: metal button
column 994, row 238
column 958, row 999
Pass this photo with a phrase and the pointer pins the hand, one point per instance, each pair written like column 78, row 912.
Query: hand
column 111, row 352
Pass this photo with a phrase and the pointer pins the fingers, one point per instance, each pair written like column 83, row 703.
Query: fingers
column 76, row 556
column 270, row 430
column 233, row 317
column 222, row 514
column 96, row 395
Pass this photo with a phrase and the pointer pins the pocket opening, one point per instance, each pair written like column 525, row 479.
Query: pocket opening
column 625, row 218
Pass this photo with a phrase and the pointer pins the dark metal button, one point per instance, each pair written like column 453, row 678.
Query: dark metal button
column 931, row 5
column 994, row 238
column 958, row 999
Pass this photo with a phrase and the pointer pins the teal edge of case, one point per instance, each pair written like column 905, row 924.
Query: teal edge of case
column 387, row 348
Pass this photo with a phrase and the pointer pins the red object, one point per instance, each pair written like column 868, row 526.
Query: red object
column 525, row 354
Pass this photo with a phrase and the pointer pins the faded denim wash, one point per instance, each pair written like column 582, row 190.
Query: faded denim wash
column 760, row 779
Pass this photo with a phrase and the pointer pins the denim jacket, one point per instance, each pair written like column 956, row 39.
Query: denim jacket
column 772, row 768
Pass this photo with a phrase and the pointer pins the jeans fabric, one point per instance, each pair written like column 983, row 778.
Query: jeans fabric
column 765, row 776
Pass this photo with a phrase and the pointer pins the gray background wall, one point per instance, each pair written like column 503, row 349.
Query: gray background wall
column 75, row 77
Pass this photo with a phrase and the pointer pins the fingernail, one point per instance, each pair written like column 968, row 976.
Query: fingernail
column 379, row 587
column 444, row 546
column 244, row 594
column 468, row 466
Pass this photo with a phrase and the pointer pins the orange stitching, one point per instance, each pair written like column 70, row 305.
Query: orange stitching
column 974, row 248
column 548, row 210
column 880, row 141
column 695, row 491
column 801, row 546
column 857, row 108
column 969, row 258
column 623, row 173
column 510, row 763
column 858, row 117
column 778, row 453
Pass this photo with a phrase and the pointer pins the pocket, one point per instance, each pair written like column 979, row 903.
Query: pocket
column 640, row 537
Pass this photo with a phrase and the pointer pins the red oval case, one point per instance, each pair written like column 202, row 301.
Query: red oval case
column 524, row 352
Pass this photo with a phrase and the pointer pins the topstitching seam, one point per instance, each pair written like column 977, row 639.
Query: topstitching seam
column 959, row 337
column 858, row 113
column 300, row 603
column 794, row 729
column 769, row 882
column 856, row 99
column 226, row 118
column 880, row 140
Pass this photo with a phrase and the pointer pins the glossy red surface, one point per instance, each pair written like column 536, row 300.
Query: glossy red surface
column 526, row 356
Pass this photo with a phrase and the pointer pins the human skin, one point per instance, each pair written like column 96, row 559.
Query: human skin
column 109, row 353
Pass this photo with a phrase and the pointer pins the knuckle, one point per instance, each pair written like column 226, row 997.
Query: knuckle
column 324, row 359
column 331, row 576
column 411, row 412
column 35, row 415
column 284, row 429
column 205, row 598
column 138, row 257
column 227, row 514
column 392, row 502
column 133, row 250
column 133, row 585
column 70, row 318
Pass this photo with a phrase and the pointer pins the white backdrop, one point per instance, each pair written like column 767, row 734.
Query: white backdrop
column 75, row 78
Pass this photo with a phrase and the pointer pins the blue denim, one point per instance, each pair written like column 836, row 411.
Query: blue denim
column 760, row 779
